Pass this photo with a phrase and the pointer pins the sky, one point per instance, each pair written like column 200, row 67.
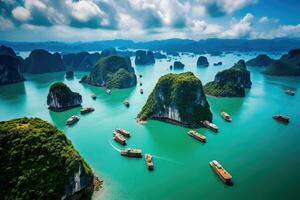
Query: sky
column 144, row 20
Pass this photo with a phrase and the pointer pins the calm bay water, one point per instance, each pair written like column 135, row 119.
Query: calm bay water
column 261, row 154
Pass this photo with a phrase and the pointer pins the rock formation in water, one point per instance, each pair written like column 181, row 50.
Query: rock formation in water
column 260, row 60
column 230, row 82
column 158, row 55
column 39, row 162
column 112, row 72
column 287, row 65
column 10, row 66
column 179, row 99
column 41, row 61
column 61, row 97
column 178, row 65
column 108, row 52
column 69, row 74
column 82, row 61
column 218, row 63
column 144, row 57
column 202, row 61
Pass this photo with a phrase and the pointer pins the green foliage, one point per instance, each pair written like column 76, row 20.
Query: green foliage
column 36, row 160
column 229, row 89
column 183, row 91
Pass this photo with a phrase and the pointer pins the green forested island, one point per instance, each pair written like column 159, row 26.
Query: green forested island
column 179, row 99
column 112, row 72
column 230, row 82
column 39, row 162
column 260, row 60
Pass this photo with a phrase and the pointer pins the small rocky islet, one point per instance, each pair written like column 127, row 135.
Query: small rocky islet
column 202, row 61
column 39, row 162
column 144, row 57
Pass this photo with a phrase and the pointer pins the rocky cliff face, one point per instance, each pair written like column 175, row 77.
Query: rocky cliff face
column 179, row 99
column 230, row 82
column 41, row 61
column 287, row 65
column 112, row 72
column 60, row 97
column 144, row 57
column 10, row 67
column 178, row 65
column 82, row 61
column 202, row 61
column 260, row 60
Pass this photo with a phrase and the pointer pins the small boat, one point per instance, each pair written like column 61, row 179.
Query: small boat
column 210, row 125
column 126, row 103
column 197, row 135
column 141, row 75
column 108, row 91
column 141, row 91
column 290, row 92
column 222, row 173
column 86, row 110
column 149, row 161
column 93, row 96
column 141, row 84
column 123, row 132
column 137, row 153
column 226, row 116
column 119, row 138
column 282, row 118
column 72, row 120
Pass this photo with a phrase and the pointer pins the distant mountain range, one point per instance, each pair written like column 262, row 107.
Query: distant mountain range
column 169, row 45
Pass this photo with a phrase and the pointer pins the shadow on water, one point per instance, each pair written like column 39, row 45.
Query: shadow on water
column 46, row 78
column 59, row 118
column 12, row 91
column 233, row 106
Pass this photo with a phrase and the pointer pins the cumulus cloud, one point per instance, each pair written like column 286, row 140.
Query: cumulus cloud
column 241, row 28
column 5, row 24
column 20, row 13
column 263, row 20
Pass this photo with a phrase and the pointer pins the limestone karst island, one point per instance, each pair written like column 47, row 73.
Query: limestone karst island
column 149, row 99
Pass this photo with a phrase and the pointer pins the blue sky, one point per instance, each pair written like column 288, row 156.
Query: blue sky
column 90, row 20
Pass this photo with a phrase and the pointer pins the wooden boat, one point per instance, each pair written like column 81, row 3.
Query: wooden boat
column 137, row 153
column 123, row 132
column 221, row 172
column 226, row 116
column 282, row 118
column 210, row 125
column 290, row 92
column 197, row 136
column 93, row 96
column 119, row 138
column 126, row 103
column 149, row 161
column 86, row 110
column 72, row 120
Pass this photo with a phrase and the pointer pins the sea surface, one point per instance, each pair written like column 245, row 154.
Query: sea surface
column 262, row 155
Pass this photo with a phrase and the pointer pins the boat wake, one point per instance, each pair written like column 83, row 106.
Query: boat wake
column 116, row 148
column 167, row 159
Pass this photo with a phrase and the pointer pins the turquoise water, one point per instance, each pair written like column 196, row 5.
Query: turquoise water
column 261, row 154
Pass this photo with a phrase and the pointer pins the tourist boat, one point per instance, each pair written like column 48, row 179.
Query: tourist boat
column 108, row 91
column 226, row 116
column 119, row 138
column 141, row 84
column 126, row 102
column 123, row 132
column 282, row 118
column 222, row 173
column 141, row 91
column 141, row 75
column 290, row 92
column 132, row 152
column 93, row 96
column 72, row 120
column 197, row 135
column 210, row 125
column 86, row 110
column 149, row 161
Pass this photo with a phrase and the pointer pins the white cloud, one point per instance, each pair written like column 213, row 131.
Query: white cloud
column 5, row 24
column 241, row 28
column 287, row 31
column 84, row 11
column 20, row 13
column 263, row 20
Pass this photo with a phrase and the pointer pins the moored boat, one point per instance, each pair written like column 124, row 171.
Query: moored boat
column 119, row 138
column 149, row 161
column 221, row 172
column 123, row 132
column 126, row 103
column 86, row 110
column 282, row 118
column 210, row 125
column 290, row 92
column 93, row 96
column 72, row 120
column 108, row 91
column 226, row 116
column 197, row 135
column 137, row 153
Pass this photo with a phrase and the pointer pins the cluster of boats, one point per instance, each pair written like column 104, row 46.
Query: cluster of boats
column 119, row 136
column 73, row 119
